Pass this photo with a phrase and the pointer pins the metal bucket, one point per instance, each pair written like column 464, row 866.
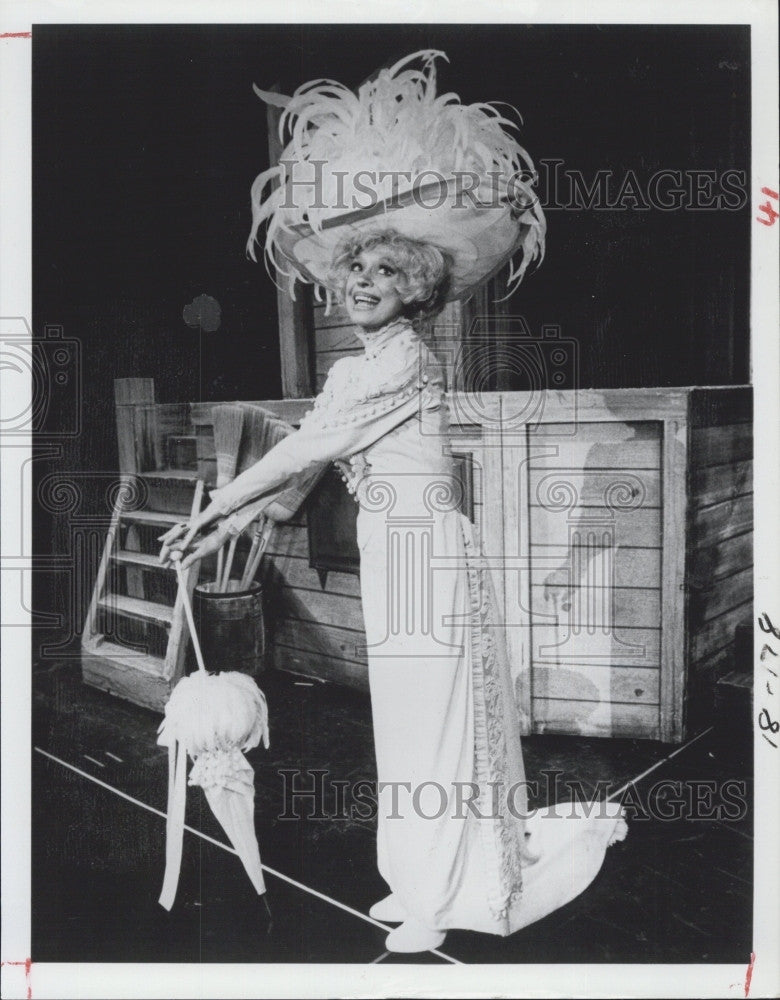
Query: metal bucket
column 230, row 627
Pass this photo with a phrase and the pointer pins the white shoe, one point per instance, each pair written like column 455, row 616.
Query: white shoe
column 413, row 936
column 389, row 910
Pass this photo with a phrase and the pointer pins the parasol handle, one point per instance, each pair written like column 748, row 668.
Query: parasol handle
column 188, row 613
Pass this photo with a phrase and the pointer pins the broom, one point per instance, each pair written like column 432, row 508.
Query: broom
column 214, row 718
column 265, row 432
column 228, row 429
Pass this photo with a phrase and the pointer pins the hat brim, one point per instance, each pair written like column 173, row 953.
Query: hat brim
column 479, row 233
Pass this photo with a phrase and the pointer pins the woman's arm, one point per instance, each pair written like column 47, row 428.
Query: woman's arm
column 343, row 422
column 359, row 405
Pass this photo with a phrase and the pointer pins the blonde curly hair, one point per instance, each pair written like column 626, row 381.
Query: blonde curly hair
column 423, row 269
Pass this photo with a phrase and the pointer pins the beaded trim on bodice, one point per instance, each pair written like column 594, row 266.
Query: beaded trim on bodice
column 394, row 366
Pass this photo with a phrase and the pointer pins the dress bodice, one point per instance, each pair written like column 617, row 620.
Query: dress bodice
column 395, row 363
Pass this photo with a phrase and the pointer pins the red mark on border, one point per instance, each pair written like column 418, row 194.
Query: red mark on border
column 749, row 973
column 16, row 34
column 27, row 963
column 772, row 215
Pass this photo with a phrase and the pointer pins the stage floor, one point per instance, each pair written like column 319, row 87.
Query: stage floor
column 676, row 890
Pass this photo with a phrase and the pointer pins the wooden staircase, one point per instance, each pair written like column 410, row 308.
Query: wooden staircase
column 135, row 637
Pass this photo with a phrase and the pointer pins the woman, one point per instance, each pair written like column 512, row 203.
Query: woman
column 453, row 842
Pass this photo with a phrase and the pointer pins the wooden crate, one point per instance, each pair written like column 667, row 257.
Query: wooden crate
column 619, row 535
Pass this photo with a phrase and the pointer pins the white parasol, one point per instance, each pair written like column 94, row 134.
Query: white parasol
column 214, row 718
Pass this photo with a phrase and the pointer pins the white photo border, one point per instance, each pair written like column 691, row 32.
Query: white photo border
column 762, row 973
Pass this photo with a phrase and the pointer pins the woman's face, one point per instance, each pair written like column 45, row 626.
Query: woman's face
column 371, row 294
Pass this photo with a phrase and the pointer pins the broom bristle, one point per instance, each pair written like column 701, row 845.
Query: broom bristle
column 263, row 431
column 228, row 429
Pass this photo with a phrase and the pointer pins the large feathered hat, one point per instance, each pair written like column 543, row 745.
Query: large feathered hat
column 395, row 155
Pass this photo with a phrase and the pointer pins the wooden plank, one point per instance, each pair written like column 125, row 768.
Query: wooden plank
column 179, row 635
column 581, row 682
column 714, row 407
column 90, row 626
column 319, row 607
column 596, row 488
column 336, row 338
column 125, row 677
column 581, row 454
column 157, row 517
column 717, row 633
column 170, row 420
column 629, row 565
column 673, row 611
column 296, row 320
column 288, row 540
column 150, row 611
column 207, row 471
column 128, row 393
column 715, row 483
column 708, row 603
column 721, row 521
column 719, row 560
column 205, row 442
column 134, row 576
column 147, row 560
column 321, row 667
column 128, row 659
column 721, row 445
column 593, row 432
column 636, row 607
column 703, row 675
column 587, row 405
column 289, row 410
column 337, row 316
column 640, row 647
column 338, row 643
column 296, row 572
column 633, row 529
column 588, row 718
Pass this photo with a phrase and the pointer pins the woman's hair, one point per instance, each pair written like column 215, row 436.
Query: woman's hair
column 423, row 269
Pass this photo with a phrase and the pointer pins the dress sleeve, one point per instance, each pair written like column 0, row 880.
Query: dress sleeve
column 361, row 402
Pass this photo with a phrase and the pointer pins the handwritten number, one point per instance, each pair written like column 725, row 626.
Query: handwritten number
column 771, row 725
column 768, row 627
column 768, row 207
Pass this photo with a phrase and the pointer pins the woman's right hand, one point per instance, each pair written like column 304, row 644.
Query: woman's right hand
column 185, row 538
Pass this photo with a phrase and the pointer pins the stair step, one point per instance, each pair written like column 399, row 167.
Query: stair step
column 126, row 657
column 145, row 559
column 183, row 475
column 160, row 517
column 150, row 611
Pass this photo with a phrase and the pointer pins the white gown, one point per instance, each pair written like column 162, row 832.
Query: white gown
column 454, row 841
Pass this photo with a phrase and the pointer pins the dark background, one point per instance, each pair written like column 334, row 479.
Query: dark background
column 146, row 140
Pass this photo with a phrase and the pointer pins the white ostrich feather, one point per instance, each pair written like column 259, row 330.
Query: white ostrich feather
column 395, row 123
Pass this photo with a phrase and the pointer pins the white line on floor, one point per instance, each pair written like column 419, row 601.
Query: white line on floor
column 658, row 763
column 98, row 762
column 230, row 850
column 113, row 756
column 379, row 958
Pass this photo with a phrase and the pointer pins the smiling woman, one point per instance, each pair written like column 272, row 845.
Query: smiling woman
column 446, row 725
column 385, row 265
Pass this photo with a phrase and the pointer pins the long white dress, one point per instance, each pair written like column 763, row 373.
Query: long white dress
column 454, row 841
